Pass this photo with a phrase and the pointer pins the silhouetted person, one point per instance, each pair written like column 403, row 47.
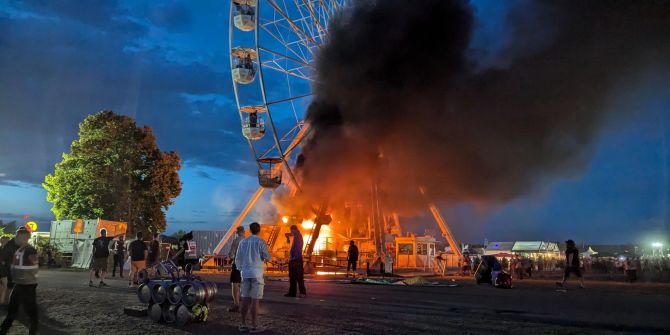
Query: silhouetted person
column 571, row 263
column 119, row 256
column 296, row 272
column 352, row 257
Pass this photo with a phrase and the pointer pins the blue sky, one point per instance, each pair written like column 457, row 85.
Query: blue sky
column 166, row 64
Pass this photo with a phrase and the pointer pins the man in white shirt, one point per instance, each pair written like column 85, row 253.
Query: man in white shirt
column 249, row 259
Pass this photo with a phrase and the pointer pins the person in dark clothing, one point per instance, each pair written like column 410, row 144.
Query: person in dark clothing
column 24, row 273
column 4, row 272
column 119, row 256
column 6, row 259
column 100, row 257
column 352, row 257
column 295, row 268
column 138, row 255
column 571, row 264
column 154, row 256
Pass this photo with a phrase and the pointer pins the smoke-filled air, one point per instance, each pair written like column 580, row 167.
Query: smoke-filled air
column 404, row 100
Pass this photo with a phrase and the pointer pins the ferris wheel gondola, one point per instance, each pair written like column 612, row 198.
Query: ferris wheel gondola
column 273, row 43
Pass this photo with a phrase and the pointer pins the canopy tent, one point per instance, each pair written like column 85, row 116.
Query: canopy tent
column 497, row 247
column 588, row 253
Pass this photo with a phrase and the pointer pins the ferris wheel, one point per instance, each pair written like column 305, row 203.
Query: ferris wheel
column 272, row 49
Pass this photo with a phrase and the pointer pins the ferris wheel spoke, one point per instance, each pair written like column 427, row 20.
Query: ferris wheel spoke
column 293, row 42
column 320, row 28
column 286, row 57
column 292, row 24
column 270, row 103
column 280, row 69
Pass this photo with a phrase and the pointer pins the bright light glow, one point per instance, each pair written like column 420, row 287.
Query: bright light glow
column 323, row 242
column 322, row 273
column 284, row 220
column 657, row 244
column 308, row 224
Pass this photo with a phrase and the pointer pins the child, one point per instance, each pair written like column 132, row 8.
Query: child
column 24, row 274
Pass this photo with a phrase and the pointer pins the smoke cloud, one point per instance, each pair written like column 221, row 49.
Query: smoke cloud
column 402, row 98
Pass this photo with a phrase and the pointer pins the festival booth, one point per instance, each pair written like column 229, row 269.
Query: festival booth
column 536, row 249
column 74, row 238
column 414, row 252
column 494, row 248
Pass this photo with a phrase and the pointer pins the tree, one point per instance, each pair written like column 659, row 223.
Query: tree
column 115, row 171
column 179, row 233
column 8, row 227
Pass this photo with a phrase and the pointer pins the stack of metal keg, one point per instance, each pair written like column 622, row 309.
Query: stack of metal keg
column 175, row 297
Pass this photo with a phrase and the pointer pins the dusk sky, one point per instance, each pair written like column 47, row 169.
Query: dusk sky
column 166, row 64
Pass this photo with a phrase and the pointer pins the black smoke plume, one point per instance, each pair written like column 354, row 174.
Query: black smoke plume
column 402, row 99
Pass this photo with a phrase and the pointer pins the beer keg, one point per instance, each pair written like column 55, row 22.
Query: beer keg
column 144, row 293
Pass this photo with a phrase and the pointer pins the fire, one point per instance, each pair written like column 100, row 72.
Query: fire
column 324, row 273
column 308, row 224
column 324, row 241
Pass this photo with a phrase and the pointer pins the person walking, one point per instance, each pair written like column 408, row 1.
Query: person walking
column 571, row 264
column 138, row 255
column 235, row 276
column 119, row 256
column 100, row 257
column 352, row 257
column 295, row 268
column 251, row 254
column 6, row 259
column 24, row 269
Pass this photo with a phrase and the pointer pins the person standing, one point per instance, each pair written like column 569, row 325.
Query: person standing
column 7, row 257
column 235, row 276
column 154, row 256
column 119, row 256
column 24, row 269
column 138, row 255
column 100, row 257
column 251, row 254
column 295, row 268
column 5, row 268
column 571, row 264
column 352, row 257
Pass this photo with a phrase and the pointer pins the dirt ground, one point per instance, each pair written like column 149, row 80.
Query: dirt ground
column 69, row 306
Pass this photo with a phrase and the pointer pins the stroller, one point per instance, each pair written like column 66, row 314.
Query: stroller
column 490, row 271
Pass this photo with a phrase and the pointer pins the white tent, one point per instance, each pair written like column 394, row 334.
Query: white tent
column 588, row 253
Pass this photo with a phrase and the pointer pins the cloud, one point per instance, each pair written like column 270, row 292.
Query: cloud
column 62, row 61
column 205, row 175
column 173, row 16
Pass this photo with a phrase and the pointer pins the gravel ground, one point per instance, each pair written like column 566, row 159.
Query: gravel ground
column 68, row 306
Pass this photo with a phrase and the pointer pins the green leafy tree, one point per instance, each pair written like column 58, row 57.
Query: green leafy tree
column 115, row 171
column 179, row 233
column 8, row 227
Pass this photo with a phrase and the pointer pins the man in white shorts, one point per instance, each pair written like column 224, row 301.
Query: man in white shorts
column 251, row 255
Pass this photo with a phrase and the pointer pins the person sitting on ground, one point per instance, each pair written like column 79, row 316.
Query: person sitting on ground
column 100, row 257
column 250, row 257
column 571, row 264
column 138, row 255
column 24, row 269
column 235, row 276
column 352, row 257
